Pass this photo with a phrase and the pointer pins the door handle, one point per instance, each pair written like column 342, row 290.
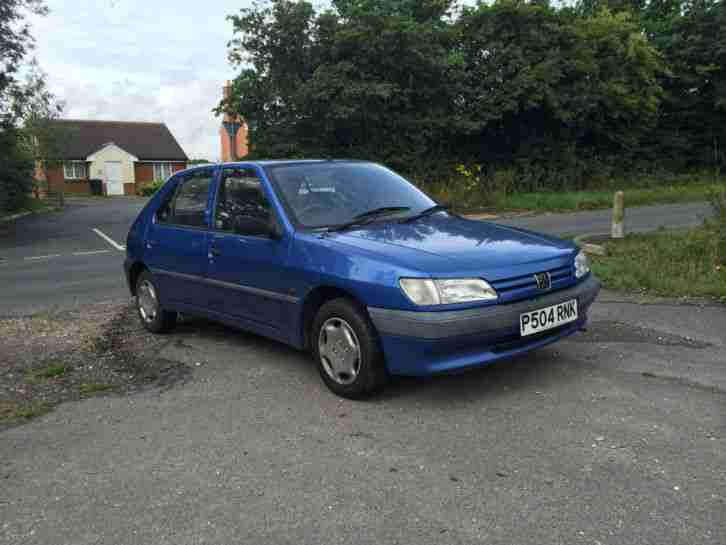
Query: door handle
column 214, row 251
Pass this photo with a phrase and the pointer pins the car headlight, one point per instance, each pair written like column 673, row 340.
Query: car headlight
column 582, row 267
column 427, row 291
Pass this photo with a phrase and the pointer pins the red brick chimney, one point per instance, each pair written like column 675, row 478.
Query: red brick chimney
column 233, row 133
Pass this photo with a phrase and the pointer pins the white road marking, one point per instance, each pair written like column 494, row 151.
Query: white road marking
column 108, row 239
column 94, row 252
column 39, row 257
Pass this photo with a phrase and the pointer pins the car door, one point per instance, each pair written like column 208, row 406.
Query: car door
column 177, row 239
column 248, row 251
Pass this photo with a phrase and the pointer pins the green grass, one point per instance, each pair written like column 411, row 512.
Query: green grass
column 593, row 200
column 94, row 388
column 38, row 205
column 670, row 264
column 640, row 190
column 35, row 206
column 52, row 371
column 32, row 412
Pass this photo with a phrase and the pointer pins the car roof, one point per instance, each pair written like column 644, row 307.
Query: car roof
column 271, row 162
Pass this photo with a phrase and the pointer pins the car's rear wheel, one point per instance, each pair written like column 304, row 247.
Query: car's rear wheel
column 346, row 348
column 152, row 314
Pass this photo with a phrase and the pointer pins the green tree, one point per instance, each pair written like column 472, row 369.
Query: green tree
column 16, row 167
column 542, row 84
column 694, row 110
column 25, row 105
column 273, row 46
column 15, row 42
column 367, row 79
column 381, row 88
column 553, row 93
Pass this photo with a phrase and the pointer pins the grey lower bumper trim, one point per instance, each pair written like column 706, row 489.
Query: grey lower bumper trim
column 440, row 325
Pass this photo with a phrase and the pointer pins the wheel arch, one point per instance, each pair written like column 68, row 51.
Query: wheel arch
column 134, row 271
column 315, row 299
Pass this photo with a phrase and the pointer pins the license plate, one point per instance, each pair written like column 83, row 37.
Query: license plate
column 546, row 318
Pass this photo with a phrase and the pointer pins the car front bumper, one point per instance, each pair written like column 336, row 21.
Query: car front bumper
column 422, row 343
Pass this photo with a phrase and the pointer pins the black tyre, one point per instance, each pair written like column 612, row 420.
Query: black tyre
column 152, row 314
column 346, row 348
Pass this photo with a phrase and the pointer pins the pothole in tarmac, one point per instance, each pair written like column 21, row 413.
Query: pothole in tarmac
column 621, row 332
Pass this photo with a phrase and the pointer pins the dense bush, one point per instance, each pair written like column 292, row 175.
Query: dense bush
column 25, row 104
column 542, row 96
column 151, row 188
column 16, row 169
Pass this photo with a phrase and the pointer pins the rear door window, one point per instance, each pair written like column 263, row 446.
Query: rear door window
column 187, row 205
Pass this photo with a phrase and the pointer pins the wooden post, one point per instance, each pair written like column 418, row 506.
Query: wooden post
column 618, row 215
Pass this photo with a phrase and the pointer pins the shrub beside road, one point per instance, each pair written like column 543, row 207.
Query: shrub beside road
column 668, row 264
column 471, row 188
column 671, row 263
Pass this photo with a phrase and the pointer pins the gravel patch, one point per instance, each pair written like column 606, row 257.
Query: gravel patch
column 65, row 355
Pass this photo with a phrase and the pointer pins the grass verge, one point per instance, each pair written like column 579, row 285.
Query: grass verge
column 593, row 200
column 94, row 388
column 51, row 371
column 33, row 206
column 33, row 411
column 665, row 263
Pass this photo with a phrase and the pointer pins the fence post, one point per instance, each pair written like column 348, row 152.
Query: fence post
column 618, row 215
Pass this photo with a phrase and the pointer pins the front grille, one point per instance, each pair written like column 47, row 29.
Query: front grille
column 519, row 287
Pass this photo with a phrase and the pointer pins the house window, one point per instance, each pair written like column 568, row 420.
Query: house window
column 75, row 170
column 162, row 171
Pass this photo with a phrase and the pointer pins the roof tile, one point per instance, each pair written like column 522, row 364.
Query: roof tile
column 147, row 141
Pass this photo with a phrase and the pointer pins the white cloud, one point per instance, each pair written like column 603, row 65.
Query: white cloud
column 153, row 60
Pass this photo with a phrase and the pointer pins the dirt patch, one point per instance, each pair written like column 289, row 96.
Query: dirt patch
column 66, row 355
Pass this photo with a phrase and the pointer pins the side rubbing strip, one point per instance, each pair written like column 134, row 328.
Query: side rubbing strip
column 229, row 285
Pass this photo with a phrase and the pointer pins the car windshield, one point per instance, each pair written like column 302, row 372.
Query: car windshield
column 329, row 194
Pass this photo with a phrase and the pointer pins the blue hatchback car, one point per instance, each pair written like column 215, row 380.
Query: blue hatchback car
column 351, row 261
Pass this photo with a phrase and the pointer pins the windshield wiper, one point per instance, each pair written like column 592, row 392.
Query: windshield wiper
column 370, row 215
column 426, row 212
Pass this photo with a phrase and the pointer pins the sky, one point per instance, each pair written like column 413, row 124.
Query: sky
column 131, row 60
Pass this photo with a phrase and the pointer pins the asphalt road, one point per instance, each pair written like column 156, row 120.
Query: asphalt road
column 59, row 260
column 614, row 437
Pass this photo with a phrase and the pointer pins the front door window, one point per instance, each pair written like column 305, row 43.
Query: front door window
column 242, row 207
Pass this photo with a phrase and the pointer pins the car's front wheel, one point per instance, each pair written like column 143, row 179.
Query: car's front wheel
column 152, row 314
column 347, row 350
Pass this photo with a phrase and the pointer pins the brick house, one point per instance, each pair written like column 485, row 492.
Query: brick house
column 124, row 155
